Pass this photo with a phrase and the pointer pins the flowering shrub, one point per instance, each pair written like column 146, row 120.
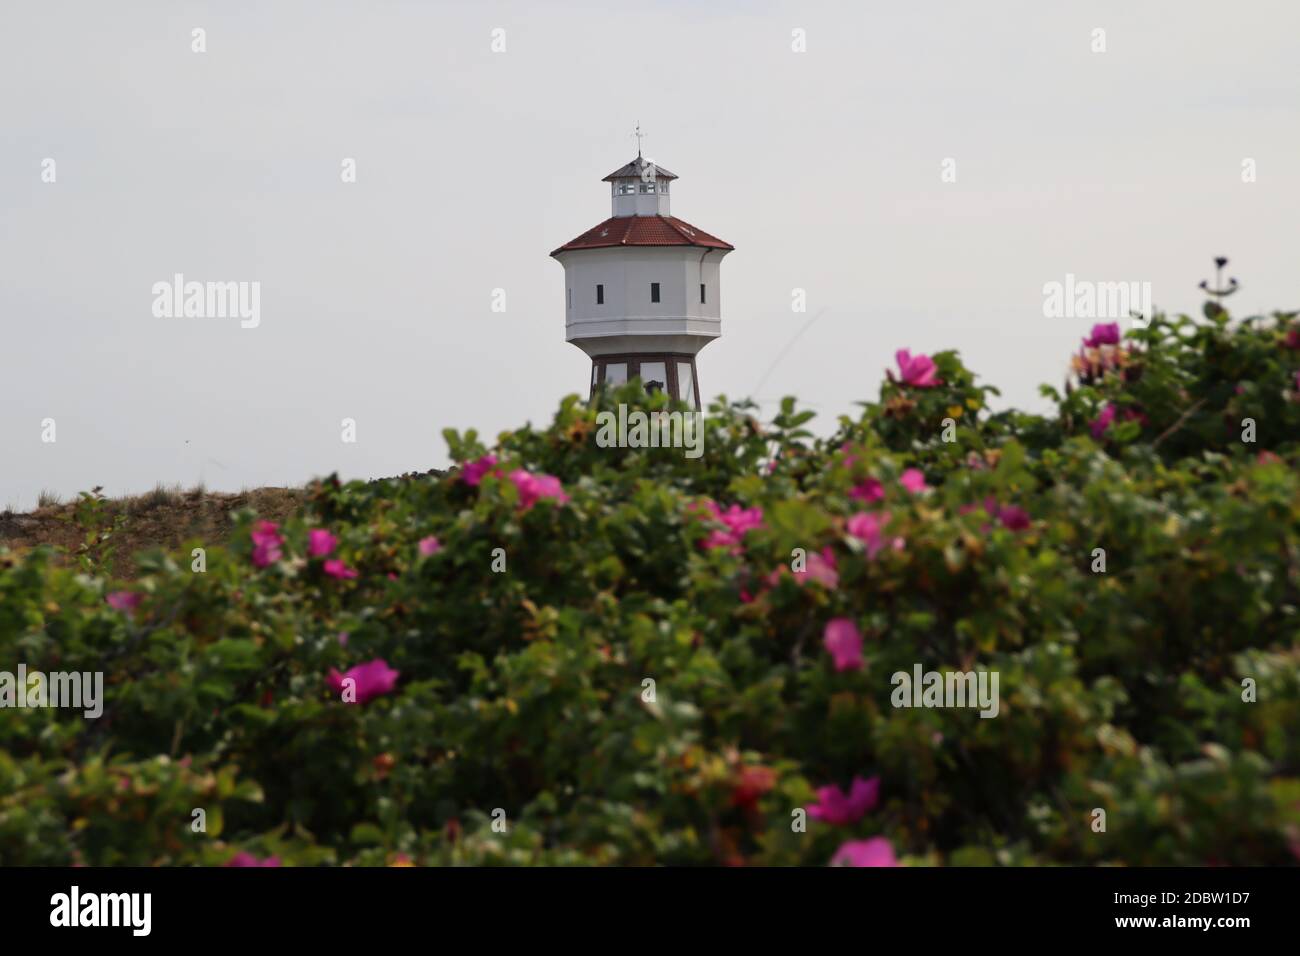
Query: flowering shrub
column 569, row 654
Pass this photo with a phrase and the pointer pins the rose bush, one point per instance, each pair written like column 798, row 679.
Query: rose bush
column 609, row 653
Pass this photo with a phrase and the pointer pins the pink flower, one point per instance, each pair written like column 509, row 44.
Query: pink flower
column 1292, row 340
column 1103, row 333
column 266, row 543
column 918, row 371
column 372, row 679
column 873, row 852
column 429, row 545
column 738, row 522
column 337, row 569
column 473, row 472
column 533, row 488
column 819, row 567
column 124, row 600
column 1012, row 517
column 869, row 491
column 1107, row 417
column 844, row 642
column 244, row 858
column 320, row 543
column 835, row 806
column 868, row 527
column 1102, row 421
column 913, row 480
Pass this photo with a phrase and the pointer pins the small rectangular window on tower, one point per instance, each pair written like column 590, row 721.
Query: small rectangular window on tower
column 702, row 300
column 654, row 291
column 600, row 294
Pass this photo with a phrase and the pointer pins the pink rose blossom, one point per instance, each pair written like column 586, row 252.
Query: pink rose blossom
column 337, row 569
column 320, row 543
column 873, row 852
column 124, row 600
column 868, row 527
column 533, row 488
column 1103, row 333
column 372, row 678
column 821, row 568
column 844, row 642
column 837, row 807
column 1012, row 518
column 430, row 545
column 869, row 491
column 266, row 543
column 473, row 472
column 1102, row 421
column 738, row 522
column 818, row 567
column 913, row 480
column 917, row 370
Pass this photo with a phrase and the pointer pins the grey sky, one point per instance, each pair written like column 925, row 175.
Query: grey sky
column 822, row 168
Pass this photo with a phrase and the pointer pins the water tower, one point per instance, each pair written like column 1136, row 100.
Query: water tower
column 642, row 293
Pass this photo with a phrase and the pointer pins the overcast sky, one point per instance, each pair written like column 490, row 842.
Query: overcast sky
column 823, row 168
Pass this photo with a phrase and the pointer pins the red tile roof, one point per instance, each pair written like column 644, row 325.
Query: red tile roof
column 644, row 231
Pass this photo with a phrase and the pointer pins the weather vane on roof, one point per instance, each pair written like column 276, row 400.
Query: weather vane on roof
column 639, row 135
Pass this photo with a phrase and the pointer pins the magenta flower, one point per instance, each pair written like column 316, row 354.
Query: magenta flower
column 869, row 528
column 337, row 569
column 1013, row 518
column 372, row 679
column 430, row 545
column 473, row 472
column 844, row 642
column 819, row 567
column 1103, row 333
column 266, row 543
column 244, row 858
column 320, row 543
column 533, row 488
column 916, row 370
column 1108, row 414
column 1102, row 421
column 124, row 600
column 839, row 808
column 913, row 480
column 873, row 852
column 869, row 491
column 738, row 522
